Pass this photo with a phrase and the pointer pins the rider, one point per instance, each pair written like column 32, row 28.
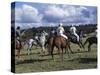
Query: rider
column 60, row 31
column 73, row 31
column 18, row 33
column 95, row 33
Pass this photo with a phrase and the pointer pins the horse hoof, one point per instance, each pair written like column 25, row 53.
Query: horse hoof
column 72, row 52
column 78, row 49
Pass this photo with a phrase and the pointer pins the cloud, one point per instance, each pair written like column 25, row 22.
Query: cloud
column 50, row 14
column 27, row 14
column 68, row 14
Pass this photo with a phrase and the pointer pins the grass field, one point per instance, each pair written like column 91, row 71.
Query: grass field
column 35, row 62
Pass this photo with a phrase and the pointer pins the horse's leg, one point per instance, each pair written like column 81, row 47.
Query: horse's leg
column 29, row 49
column 68, row 47
column 58, row 51
column 65, row 51
column 18, row 53
column 43, row 49
column 89, row 47
column 49, row 50
column 62, row 55
column 68, row 51
column 52, row 52
column 81, row 44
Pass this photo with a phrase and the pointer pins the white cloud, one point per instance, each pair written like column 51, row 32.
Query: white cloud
column 66, row 13
column 62, row 13
column 52, row 15
column 27, row 13
column 54, row 11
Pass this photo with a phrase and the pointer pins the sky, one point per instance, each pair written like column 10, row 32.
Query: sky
column 29, row 14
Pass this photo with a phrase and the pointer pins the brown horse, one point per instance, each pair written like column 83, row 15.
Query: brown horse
column 90, row 40
column 59, row 42
column 18, row 47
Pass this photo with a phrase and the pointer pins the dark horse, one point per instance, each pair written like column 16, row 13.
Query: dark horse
column 73, row 39
column 60, row 43
column 90, row 40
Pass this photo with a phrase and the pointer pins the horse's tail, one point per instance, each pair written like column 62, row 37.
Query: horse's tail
column 86, row 42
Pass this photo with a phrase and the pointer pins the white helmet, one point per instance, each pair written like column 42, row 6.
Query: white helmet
column 72, row 25
column 60, row 24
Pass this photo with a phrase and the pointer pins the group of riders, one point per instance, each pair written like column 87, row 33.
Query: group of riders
column 60, row 32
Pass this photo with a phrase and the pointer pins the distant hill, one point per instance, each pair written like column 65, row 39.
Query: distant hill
column 31, row 32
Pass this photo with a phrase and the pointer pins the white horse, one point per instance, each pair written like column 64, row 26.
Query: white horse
column 38, row 41
column 30, row 44
column 42, row 40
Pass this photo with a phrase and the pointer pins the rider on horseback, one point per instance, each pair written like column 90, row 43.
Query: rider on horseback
column 73, row 32
column 60, row 31
column 18, row 33
column 95, row 33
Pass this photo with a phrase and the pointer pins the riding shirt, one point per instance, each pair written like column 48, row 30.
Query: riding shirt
column 73, row 31
column 18, row 33
column 18, row 36
column 60, row 32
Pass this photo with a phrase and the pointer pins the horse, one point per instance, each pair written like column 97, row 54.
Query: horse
column 18, row 47
column 90, row 40
column 73, row 39
column 30, row 43
column 18, row 44
column 42, row 41
column 59, row 42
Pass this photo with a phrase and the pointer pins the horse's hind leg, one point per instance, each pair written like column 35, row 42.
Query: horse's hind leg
column 29, row 49
column 82, row 44
column 43, row 49
column 68, row 51
column 18, row 53
column 69, row 48
column 52, row 52
column 79, row 45
column 89, row 47
column 62, row 55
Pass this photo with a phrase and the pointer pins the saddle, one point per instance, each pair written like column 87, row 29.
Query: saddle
column 73, row 37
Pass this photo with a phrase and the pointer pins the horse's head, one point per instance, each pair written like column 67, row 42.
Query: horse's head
column 44, row 33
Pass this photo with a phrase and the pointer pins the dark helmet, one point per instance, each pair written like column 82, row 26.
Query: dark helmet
column 60, row 24
column 18, row 27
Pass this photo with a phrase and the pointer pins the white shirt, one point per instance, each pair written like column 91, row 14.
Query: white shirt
column 60, row 30
column 73, row 29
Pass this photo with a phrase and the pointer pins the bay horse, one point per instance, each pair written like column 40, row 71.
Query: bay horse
column 59, row 42
column 90, row 40
column 18, row 47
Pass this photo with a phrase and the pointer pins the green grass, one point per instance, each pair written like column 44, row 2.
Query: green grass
column 41, row 63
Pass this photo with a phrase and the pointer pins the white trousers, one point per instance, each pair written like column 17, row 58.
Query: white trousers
column 76, row 36
column 64, row 36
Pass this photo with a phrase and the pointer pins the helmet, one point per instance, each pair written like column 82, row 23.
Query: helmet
column 72, row 25
column 60, row 24
column 96, row 27
column 18, row 27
